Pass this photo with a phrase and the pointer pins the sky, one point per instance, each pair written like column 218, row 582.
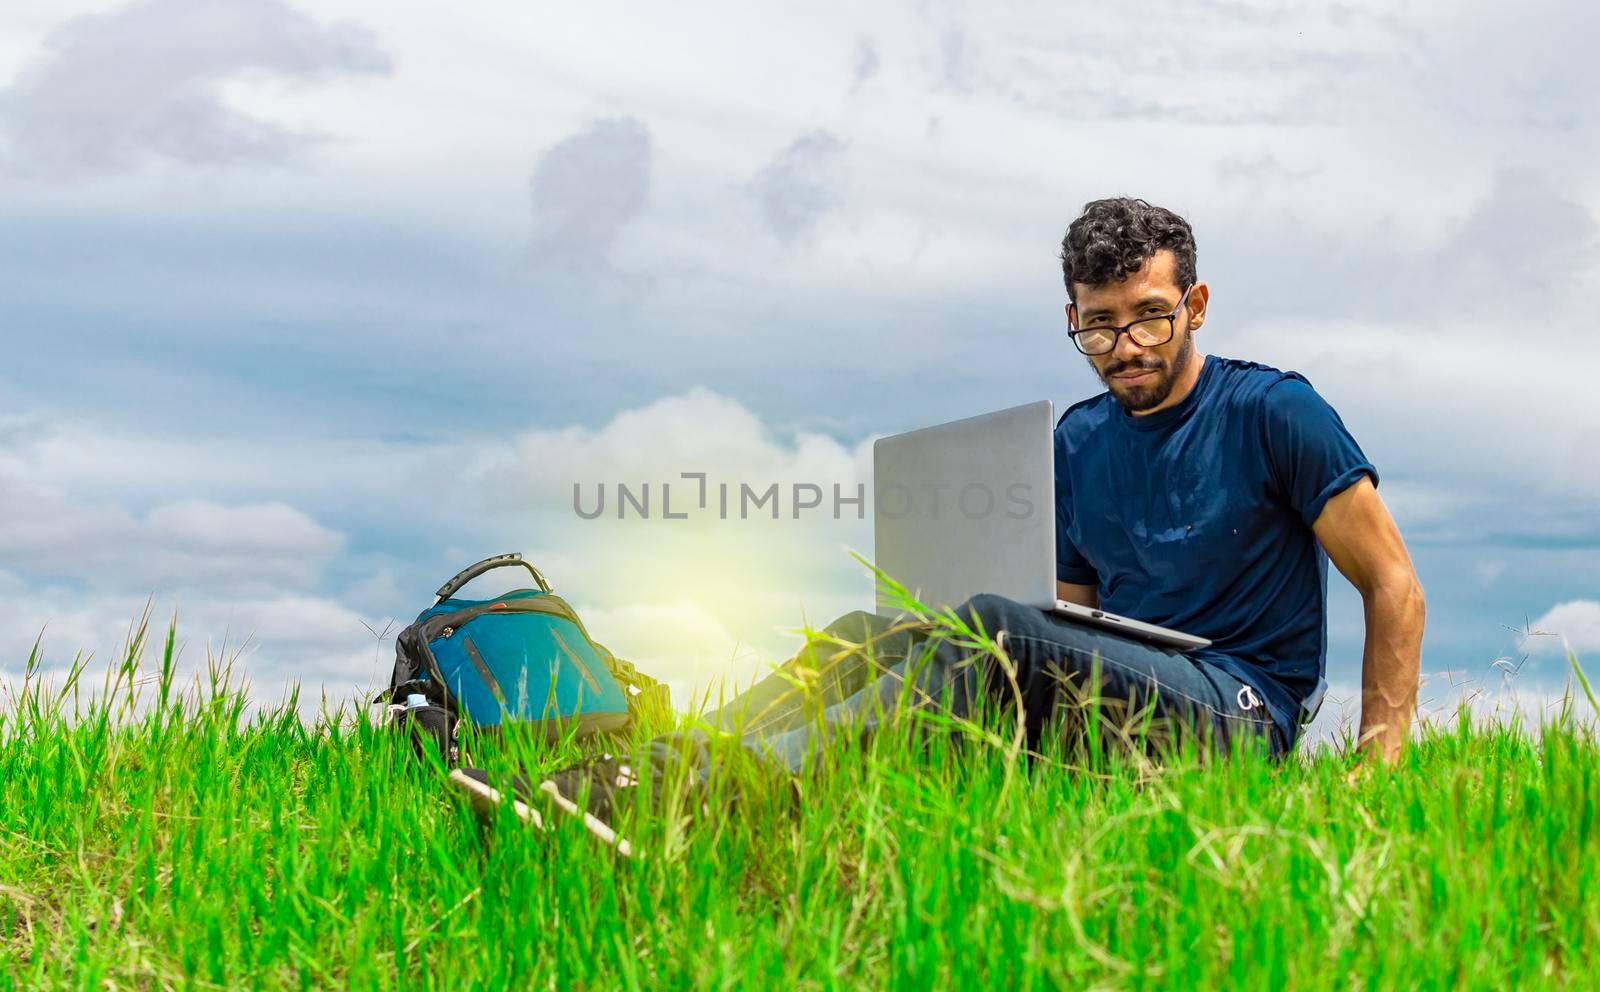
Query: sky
column 305, row 308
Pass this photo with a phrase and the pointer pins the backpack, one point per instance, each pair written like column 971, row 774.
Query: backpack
column 522, row 657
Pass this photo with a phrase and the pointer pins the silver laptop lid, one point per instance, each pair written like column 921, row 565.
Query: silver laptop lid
column 968, row 507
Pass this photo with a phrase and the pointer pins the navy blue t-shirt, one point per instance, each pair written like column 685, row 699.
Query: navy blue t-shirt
column 1198, row 517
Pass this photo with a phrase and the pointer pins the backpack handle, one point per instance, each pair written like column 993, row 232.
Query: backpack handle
column 473, row 571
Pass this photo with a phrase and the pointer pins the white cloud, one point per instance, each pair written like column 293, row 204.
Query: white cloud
column 686, row 591
column 1573, row 625
column 274, row 638
column 83, row 567
column 258, row 529
column 692, row 602
column 864, row 64
column 696, row 431
column 187, row 542
column 144, row 82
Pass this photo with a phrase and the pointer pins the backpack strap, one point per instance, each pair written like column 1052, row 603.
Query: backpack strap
column 497, row 561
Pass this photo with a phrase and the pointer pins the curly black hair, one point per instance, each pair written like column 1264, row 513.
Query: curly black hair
column 1114, row 237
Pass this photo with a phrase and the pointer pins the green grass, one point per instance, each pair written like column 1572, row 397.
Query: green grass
column 158, row 838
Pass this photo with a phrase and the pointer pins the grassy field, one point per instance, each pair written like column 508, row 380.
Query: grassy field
column 158, row 838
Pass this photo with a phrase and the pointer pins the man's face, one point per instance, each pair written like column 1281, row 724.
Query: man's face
column 1141, row 378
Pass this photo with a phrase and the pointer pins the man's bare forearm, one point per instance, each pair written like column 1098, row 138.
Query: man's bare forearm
column 1390, row 664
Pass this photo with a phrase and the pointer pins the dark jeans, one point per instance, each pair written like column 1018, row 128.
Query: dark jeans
column 856, row 674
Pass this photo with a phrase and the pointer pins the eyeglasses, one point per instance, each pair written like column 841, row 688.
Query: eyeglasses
column 1150, row 332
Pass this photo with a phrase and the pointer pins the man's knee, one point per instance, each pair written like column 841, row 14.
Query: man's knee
column 992, row 611
column 878, row 637
column 856, row 625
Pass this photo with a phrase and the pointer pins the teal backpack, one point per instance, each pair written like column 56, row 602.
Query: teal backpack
column 522, row 657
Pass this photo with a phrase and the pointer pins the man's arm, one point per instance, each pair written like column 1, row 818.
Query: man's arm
column 1362, row 541
column 1082, row 595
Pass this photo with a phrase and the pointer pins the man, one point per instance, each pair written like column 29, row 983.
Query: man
column 1201, row 493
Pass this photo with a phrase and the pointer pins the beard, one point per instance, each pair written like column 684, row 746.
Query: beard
column 1145, row 396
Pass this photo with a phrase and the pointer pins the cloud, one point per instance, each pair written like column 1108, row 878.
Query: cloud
column 1574, row 624
column 192, row 542
column 54, row 529
column 1526, row 232
column 957, row 60
column 800, row 185
column 586, row 189
column 1255, row 171
column 696, row 431
column 737, row 581
column 114, row 91
column 1234, row 66
column 1518, row 240
column 274, row 638
column 864, row 64
column 692, row 601
column 1431, row 75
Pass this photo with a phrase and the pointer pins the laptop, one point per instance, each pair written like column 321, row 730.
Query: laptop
column 969, row 507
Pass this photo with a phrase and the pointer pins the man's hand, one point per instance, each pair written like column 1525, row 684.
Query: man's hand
column 1362, row 541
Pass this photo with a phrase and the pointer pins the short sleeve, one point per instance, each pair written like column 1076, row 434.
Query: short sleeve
column 1071, row 566
column 1311, row 456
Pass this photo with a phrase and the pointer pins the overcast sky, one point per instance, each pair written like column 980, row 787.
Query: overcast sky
column 307, row 307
